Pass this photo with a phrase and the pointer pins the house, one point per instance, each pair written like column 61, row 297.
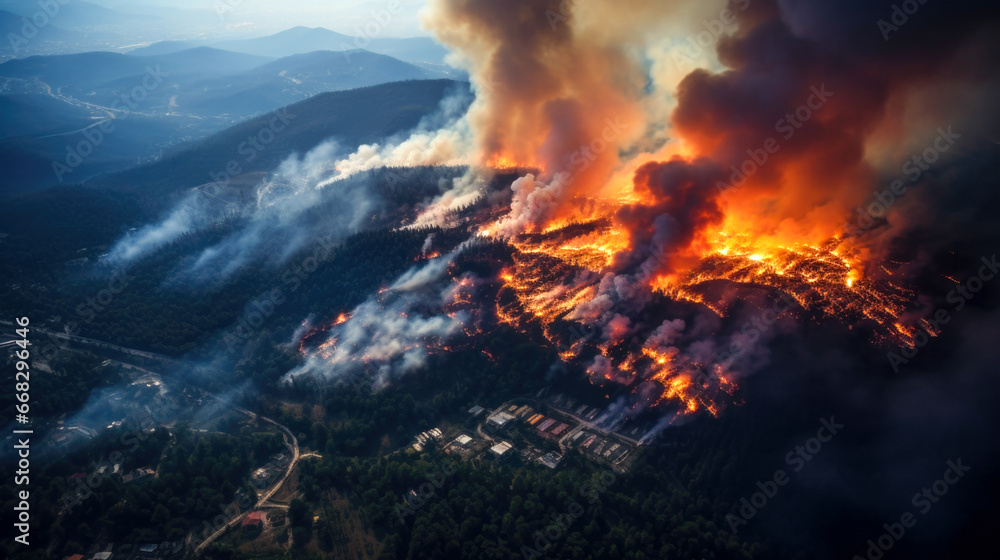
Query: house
column 500, row 419
column 254, row 522
column 550, row 460
column 501, row 449
column 546, row 424
column 137, row 474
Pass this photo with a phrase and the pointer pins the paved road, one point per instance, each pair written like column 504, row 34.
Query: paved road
column 290, row 440
column 95, row 342
column 293, row 445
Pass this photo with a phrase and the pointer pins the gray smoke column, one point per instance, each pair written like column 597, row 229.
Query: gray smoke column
column 553, row 78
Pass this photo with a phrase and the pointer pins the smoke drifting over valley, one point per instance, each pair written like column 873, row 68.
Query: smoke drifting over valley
column 698, row 195
column 739, row 256
column 286, row 210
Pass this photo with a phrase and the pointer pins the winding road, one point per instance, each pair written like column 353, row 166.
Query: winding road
column 289, row 438
column 293, row 446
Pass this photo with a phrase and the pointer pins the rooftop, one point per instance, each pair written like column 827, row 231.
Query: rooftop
column 501, row 448
column 500, row 418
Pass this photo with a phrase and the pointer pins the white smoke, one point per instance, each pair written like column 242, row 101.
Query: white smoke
column 286, row 211
column 464, row 191
column 189, row 215
column 441, row 138
column 392, row 333
column 532, row 204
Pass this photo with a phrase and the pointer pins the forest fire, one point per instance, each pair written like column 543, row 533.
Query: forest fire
column 557, row 274
column 720, row 211
column 653, row 209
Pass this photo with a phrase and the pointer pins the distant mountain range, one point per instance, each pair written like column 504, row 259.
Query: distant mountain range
column 354, row 117
column 15, row 40
column 78, row 26
column 75, row 13
column 47, row 102
column 61, row 221
column 94, row 69
column 81, row 27
column 302, row 40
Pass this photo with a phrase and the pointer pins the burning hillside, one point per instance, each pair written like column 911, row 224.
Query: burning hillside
column 674, row 190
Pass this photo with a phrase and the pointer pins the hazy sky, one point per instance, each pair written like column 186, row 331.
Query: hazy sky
column 344, row 16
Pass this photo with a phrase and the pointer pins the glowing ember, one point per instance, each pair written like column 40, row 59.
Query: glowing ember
column 556, row 274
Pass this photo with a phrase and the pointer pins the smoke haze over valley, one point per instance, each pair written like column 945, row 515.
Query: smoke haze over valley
column 499, row 279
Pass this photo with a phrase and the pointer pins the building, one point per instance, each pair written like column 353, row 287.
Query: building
column 501, row 449
column 560, row 429
column 254, row 522
column 499, row 420
column 550, row 460
column 425, row 439
column 546, row 425
column 462, row 441
column 476, row 410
